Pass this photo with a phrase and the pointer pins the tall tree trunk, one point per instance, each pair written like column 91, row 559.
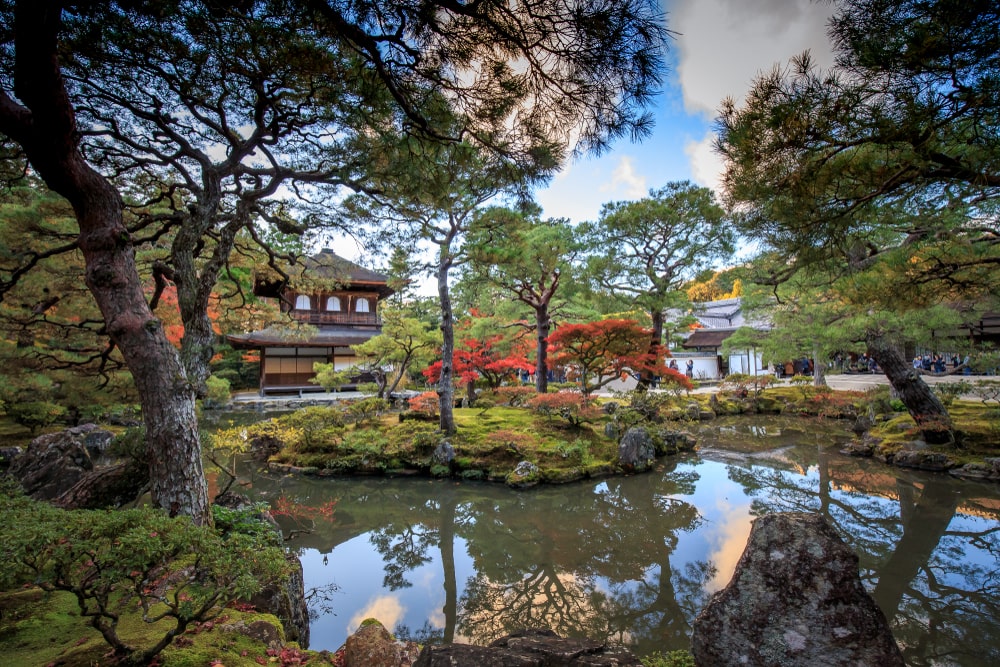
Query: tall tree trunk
column 922, row 403
column 46, row 129
column 446, row 386
column 543, row 326
column 399, row 376
column 819, row 370
column 646, row 377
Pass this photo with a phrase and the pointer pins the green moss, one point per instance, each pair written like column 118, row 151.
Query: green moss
column 562, row 475
column 38, row 628
column 490, row 445
column 669, row 659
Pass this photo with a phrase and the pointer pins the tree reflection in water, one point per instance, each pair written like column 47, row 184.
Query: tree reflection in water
column 634, row 559
column 602, row 570
column 929, row 547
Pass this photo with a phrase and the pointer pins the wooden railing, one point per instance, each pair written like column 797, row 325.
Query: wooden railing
column 354, row 319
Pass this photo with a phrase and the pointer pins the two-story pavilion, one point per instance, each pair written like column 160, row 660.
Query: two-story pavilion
column 339, row 298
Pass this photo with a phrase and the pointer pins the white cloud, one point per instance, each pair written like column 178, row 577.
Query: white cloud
column 729, row 540
column 724, row 44
column 625, row 180
column 386, row 608
column 706, row 164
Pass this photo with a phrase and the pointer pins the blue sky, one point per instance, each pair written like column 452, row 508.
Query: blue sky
column 720, row 47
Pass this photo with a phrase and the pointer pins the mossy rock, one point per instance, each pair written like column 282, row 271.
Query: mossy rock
column 562, row 475
column 524, row 475
column 440, row 471
column 667, row 442
column 473, row 475
column 595, row 470
column 674, row 414
column 729, row 407
column 38, row 628
column 769, row 406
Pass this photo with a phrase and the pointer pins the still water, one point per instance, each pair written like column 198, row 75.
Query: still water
column 633, row 559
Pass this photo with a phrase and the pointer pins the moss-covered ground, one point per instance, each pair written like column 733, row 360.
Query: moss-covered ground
column 489, row 444
column 39, row 628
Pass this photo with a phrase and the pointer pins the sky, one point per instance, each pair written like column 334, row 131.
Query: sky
column 719, row 48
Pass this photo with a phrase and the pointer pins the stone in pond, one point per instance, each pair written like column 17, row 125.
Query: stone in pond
column 795, row 600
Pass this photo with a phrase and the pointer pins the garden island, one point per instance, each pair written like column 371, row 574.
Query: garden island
column 182, row 185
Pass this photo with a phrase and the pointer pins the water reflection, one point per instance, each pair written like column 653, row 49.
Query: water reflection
column 634, row 559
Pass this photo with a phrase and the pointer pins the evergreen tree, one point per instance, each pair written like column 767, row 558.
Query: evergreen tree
column 646, row 251
column 887, row 166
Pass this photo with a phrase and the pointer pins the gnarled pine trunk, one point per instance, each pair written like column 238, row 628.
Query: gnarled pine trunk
column 647, row 377
column 923, row 404
column 44, row 124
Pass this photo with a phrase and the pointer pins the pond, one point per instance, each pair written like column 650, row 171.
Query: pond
column 633, row 559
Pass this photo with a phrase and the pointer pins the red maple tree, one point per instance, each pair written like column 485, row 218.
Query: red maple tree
column 481, row 360
column 597, row 353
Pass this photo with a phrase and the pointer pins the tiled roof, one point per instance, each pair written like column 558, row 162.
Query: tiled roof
column 328, row 264
column 707, row 338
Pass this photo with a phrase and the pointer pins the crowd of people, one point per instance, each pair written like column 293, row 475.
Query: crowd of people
column 938, row 364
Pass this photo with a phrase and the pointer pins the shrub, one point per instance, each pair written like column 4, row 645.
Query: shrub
column 514, row 396
column 329, row 378
column 571, row 406
column 878, row 400
column 35, row 415
column 217, row 395
column 130, row 443
column 316, row 424
column 366, row 442
column 171, row 572
column 949, row 391
column 641, row 406
column 367, row 409
column 576, row 453
column 426, row 403
column 841, row 404
column 744, row 385
column 514, row 443
column 670, row 659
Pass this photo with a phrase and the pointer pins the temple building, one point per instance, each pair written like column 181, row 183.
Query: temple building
column 338, row 298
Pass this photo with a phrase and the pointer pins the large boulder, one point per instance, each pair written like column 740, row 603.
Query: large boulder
column 636, row 452
column 286, row 598
column 373, row 646
column 531, row 648
column 795, row 599
column 53, row 463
